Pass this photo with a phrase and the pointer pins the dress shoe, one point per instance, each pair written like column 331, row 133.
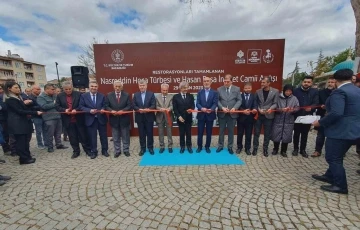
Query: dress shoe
column 358, row 171
column 231, row 151
column 198, row 149
column 31, row 161
column 207, row 149
column 266, row 153
column 254, row 153
column 105, row 153
column 93, row 156
column 75, row 155
column 283, row 154
column 142, row 152
column 295, row 152
column 2, row 161
column 219, row 149
column 62, row 147
column 275, row 152
column 66, row 139
column 238, row 151
column 189, row 149
column 304, row 154
column 321, row 178
column 127, row 154
column 182, row 149
column 151, row 151
column 117, row 155
column 50, row 150
column 162, row 150
column 4, row 178
column 13, row 154
column 2, row 182
column 334, row 189
column 248, row 152
column 170, row 150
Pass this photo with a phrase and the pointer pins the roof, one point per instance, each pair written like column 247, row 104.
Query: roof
column 19, row 59
column 348, row 64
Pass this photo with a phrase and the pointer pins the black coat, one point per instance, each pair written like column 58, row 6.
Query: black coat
column 306, row 98
column 19, row 122
column 111, row 104
column 180, row 106
column 323, row 96
column 3, row 112
column 61, row 106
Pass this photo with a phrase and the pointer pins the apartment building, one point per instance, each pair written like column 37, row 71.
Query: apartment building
column 13, row 67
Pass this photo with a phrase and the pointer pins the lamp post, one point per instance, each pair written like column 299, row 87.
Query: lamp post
column 57, row 71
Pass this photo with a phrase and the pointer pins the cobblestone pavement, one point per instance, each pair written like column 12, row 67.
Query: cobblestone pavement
column 107, row 193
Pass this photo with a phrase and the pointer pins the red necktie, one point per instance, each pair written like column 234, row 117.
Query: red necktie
column 118, row 97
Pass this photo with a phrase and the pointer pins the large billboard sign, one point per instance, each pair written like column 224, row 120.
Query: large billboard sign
column 173, row 62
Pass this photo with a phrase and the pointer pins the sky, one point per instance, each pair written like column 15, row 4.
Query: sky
column 46, row 32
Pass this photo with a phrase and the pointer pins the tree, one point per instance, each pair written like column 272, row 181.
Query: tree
column 322, row 65
column 356, row 7
column 87, row 58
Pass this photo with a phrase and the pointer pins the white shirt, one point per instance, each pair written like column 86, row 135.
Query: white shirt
column 344, row 84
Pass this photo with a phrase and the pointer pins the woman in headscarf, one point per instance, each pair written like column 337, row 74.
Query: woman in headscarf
column 283, row 124
column 19, row 120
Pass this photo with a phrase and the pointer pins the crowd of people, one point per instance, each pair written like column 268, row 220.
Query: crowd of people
column 81, row 116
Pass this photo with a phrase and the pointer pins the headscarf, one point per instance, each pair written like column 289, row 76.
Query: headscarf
column 287, row 87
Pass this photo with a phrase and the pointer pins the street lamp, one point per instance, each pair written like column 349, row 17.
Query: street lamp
column 57, row 71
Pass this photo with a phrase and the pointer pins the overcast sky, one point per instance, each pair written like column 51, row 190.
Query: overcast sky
column 51, row 31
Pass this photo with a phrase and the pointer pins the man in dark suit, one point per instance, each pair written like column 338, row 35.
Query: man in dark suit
column 182, row 102
column 68, row 101
column 144, row 101
column 229, row 101
column 341, row 125
column 323, row 96
column 93, row 103
column 266, row 99
column 116, row 102
column 245, row 121
column 206, row 101
column 307, row 96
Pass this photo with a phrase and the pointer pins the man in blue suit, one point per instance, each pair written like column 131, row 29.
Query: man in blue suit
column 144, row 101
column 93, row 103
column 341, row 126
column 245, row 122
column 206, row 101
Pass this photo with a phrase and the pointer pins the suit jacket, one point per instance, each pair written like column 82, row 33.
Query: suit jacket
column 342, row 120
column 111, row 104
column 270, row 103
column 149, row 103
column 19, row 122
column 86, row 104
column 160, row 116
column 61, row 106
column 230, row 101
column 323, row 96
column 210, row 103
column 180, row 106
column 250, row 105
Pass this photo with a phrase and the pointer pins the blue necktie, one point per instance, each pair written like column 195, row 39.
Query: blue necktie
column 93, row 99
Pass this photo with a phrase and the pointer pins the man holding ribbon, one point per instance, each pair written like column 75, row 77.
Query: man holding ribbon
column 118, row 102
column 206, row 102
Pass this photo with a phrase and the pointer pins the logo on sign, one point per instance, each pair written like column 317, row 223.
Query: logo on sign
column 254, row 56
column 268, row 57
column 240, row 58
column 117, row 56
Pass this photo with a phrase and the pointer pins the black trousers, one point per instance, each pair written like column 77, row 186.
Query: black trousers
column 244, row 127
column 303, row 131
column 77, row 134
column 284, row 147
column 267, row 123
column 5, row 146
column 146, row 132
column 320, row 140
column 22, row 146
column 185, row 131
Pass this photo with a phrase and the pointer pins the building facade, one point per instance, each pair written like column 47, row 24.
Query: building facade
column 13, row 67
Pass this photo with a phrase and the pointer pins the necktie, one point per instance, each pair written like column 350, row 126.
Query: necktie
column 118, row 97
column 184, row 96
column 246, row 99
column 94, row 99
column 164, row 97
column 206, row 95
column 227, row 90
